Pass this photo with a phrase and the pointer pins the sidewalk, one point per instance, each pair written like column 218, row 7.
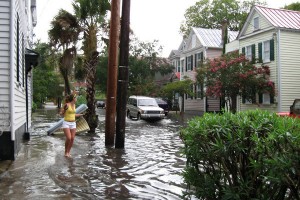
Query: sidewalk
column 4, row 166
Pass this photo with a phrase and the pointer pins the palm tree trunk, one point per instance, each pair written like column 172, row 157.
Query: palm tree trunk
column 90, row 115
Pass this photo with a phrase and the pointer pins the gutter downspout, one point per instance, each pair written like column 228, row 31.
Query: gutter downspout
column 12, row 67
column 279, row 72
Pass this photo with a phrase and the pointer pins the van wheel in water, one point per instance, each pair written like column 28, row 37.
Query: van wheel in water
column 128, row 115
column 138, row 117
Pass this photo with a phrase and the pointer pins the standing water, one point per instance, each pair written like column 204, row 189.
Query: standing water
column 149, row 167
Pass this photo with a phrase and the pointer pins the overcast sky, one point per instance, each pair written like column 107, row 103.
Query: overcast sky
column 149, row 19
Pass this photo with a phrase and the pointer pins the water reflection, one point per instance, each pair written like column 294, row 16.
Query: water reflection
column 148, row 168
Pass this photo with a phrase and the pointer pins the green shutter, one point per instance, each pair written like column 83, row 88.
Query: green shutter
column 243, row 50
column 192, row 62
column 272, row 57
column 260, row 97
column 253, row 53
column 186, row 64
column 260, row 60
column 271, row 99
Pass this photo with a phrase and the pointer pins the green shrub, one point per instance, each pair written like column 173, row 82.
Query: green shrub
column 248, row 155
column 34, row 107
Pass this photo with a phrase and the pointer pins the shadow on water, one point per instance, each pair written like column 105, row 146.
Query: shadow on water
column 149, row 167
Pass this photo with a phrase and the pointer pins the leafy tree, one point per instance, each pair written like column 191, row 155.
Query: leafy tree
column 211, row 14
column 180, row 87
column 232, row 75
column 91, row 15
column 144, row 62
column 293, row 6
column 101, row 73
column 45, row 77
column 63, row 36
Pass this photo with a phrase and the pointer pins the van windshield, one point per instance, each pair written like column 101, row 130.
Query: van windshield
column 147, row 102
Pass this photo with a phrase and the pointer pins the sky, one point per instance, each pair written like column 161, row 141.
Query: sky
column 149, row 19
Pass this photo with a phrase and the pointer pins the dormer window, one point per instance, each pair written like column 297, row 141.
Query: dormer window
column 256, row 23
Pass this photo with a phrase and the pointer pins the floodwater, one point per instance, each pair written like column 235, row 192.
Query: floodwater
column 149, row 167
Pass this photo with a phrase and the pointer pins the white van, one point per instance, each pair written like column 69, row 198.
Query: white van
column 142, row 107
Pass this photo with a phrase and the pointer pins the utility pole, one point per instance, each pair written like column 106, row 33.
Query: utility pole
column 111, row 91
column 123, row 75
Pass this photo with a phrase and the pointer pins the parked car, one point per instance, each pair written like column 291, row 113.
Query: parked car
column 294, row 110
column 163, row 104
column 100, row 104
column 142, row 107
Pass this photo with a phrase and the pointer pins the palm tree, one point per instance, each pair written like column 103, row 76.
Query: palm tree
column 91, row 15
column 63, row 36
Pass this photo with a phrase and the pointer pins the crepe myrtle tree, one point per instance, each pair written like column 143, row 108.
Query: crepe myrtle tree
column 233, row 74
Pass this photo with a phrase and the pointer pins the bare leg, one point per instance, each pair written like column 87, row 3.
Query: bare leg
column 67, row 132
column 73, row 133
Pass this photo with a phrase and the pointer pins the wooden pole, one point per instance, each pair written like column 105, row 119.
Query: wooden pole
column 111, row 92
column 123, row 75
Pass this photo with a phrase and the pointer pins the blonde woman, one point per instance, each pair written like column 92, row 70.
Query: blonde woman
column 69, row 123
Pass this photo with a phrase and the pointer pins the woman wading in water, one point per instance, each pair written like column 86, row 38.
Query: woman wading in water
column 69, row 123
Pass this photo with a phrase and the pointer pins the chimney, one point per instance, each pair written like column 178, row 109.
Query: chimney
column 224, row 25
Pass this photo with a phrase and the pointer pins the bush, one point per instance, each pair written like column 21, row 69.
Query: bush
column 34, row 107
column 248, row 155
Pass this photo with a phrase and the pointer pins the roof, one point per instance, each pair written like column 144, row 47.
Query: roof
column 213, row 37
column 280, row 18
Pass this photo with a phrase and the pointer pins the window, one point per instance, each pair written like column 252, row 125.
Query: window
column 266, row 98
column 178, row 66
column 248, row 101
column 249, row 53
column 182, row 65
column 256, row 23
column 266, row 51
column 199, row 59
column 199, row 91
column 189, row 63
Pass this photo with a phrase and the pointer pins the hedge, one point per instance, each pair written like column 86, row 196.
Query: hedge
column 248, row 155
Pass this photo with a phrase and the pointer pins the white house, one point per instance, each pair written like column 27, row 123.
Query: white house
column 17, row 19
column 201, row 44
column 272, row 36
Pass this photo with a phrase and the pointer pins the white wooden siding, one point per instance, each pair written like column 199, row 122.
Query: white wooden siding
column 4, row 60
column 213, row 104
column 213, row 53
column 290, row 67
column 194, row 104
column 4, row 55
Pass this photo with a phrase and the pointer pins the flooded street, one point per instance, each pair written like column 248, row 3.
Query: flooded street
column 149, row 166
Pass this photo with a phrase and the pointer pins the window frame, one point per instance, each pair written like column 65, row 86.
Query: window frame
column 189, row 63
column 248, row 49
column 266, row 98
column 266, row 55
column 256, row 23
